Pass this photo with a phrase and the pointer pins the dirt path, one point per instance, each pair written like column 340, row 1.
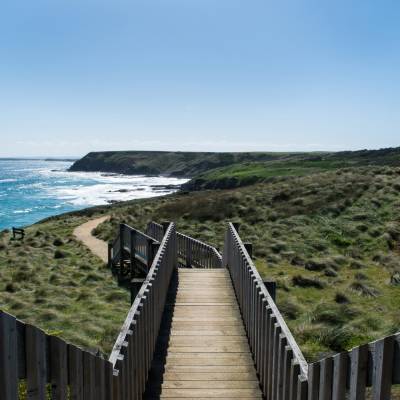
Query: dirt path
column 84, row 234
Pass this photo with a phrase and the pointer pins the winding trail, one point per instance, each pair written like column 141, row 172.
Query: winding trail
column 84, row 234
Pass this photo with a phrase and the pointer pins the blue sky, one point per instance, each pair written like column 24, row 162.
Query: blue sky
column 215, row 75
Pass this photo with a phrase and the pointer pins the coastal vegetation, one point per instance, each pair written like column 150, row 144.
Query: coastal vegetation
column 330, row 240
column 53, row 281
column 328, row 232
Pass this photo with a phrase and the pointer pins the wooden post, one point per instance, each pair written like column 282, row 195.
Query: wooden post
column 188, row 253
column 110, row 261
column 121, row 247
column 8, row 357
column 132, row 253
column 271, row 287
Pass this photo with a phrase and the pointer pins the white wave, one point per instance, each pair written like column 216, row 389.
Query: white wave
column 108, row 189
column 24, row 211
column 7, row 180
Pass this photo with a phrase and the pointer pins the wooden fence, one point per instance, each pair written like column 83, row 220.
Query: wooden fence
column 40, row 366
column 197, row 254
column 129, row 245
column 279, row 362
column 133, row 351
column 348, row 374
column 191, row 252
column 155, row 230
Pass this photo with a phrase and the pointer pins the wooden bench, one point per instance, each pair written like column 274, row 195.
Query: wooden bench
column 18, row 233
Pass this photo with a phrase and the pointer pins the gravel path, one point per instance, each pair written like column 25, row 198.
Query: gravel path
column 84, row 234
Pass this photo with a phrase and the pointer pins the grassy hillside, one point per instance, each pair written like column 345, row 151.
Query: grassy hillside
column 242, row 174
column 185, row 164
column 53, row 281
column 229, row 170
column 331, row 240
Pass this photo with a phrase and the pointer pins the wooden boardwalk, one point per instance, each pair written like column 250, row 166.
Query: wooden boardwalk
column 202, row 350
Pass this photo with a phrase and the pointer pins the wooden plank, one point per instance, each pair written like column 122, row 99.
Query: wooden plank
column 294, row 379
column 313, row 381
column 210, row 393
column 358, row 374
column 108, row 381
column 36, row 367
column 287, row 370
column 75, row 372
column 201, row 375
column 58, row 368
column 21, row 341
column 396, row 360
column 326, row 378
column 275, row 359
column 281, row 362
column 88, row 376
column 205, row 384
column 99, row 376
column 8, row 357
column 340, row 372
column 383, row 364
column 302, row 387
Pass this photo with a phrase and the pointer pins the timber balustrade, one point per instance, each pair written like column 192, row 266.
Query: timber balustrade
column 130, row 245
column 155, row 230
column 41, row 366
column 349, row 374
column 133, row 351
column 283, row 372
column 191, row 252
column 279, row 361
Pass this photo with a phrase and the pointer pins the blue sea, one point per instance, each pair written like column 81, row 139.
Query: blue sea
column 31, row 190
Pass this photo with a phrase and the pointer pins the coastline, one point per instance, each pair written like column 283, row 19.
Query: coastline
column 33, row 190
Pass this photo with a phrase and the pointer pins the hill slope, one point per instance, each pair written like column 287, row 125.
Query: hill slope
column 331, row 240
column 186, row 164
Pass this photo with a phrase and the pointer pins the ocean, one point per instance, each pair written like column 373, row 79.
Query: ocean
column 31, row 190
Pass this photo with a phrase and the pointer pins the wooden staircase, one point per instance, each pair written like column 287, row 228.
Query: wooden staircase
column 202, row 350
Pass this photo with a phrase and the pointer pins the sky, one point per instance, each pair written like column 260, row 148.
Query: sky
column 198, row 75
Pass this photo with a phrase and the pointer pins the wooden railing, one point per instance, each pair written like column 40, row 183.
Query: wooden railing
column 281, row 366
column 131, row 244
column 348, row 374
column 34, row 364
column 284, row 373
column 133, row 351
column 192, row 252
column 155, row 230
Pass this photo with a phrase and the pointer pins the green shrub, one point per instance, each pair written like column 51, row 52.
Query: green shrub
column 341, row 298
column 299, row 280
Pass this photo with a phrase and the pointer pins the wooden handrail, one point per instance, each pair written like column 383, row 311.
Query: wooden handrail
column 196, row 253
column 277, row 356
column 193, row 252
column 155, row 230
column 133, row 350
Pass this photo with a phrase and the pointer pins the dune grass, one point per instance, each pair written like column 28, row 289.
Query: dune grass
column 331, row 240
column 51, row 280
